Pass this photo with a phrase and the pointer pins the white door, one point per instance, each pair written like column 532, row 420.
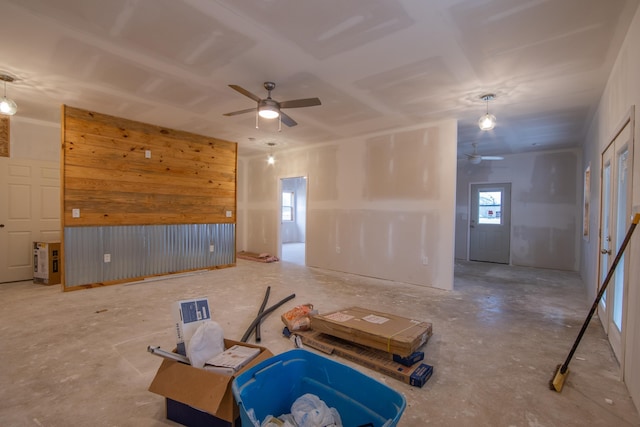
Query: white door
column 615, row 212
column 490, row 223
column 29, row 211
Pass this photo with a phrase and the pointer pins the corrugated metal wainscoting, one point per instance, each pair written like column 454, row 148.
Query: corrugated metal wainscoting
column 144, row 250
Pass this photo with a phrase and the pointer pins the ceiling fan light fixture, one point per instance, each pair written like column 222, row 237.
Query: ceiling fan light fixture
column 488, row 121
column 8, row 106
column 268, row 109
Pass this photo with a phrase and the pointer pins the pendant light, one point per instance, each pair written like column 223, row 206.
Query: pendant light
column 271, row 160
column 487, row 121
column 7, row 106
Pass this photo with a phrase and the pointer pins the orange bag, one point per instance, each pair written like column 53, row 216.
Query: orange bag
column 297, row 319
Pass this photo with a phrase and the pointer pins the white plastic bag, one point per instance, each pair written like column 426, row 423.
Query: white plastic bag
column 309, row 411
column 207, row 342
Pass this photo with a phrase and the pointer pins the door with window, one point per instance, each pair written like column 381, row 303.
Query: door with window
column 490, row 223
column 615, row 212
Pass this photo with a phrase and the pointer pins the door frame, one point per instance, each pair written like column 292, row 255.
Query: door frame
column 279, row 227
column 606, row 319
column 41, row 176
column 471, row 211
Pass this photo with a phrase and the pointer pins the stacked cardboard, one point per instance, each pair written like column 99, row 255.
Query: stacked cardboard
column 383, row 342
column 383, row 331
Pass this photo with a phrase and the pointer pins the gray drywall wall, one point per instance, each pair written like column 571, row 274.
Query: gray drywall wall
column 546, row 203
column 380, row 206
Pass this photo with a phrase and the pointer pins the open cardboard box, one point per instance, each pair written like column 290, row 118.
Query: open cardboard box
column 200, row 389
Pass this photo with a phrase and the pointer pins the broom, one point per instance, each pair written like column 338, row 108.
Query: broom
column 562, row 370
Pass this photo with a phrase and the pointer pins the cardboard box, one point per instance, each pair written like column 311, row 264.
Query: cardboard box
column 383, row 331
column 201, row 390
column 377, row 360
column 188, row 315
column 188, row 416
column 46, row 263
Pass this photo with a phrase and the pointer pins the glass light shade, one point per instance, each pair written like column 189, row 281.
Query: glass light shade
column 8, row 107
column 487, row 122
column 271, row 160
column 268, row 112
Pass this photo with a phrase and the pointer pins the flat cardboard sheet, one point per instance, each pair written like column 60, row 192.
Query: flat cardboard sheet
column 383, row 331
column 201, row 389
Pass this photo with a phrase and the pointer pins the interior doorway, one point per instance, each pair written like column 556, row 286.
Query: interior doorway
column 490, row 223
column 29, row 211
column 293, row 219
column 615, row 211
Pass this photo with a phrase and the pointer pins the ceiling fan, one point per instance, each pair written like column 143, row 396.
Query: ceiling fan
column 476, row 158
column 269, row 108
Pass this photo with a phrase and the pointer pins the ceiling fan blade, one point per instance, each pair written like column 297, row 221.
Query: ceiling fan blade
column 492, row 158
column 297, row 103
column 235, row 113
column 245, row 92
column 287, row 120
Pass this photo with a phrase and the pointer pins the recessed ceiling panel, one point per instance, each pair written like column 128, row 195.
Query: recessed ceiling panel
column 569, row 35
column 93, row 16
column 338, row 107
column 326, row 28
column 98, row 67
column 166, row 29
column 182, row 34
column 413, row 88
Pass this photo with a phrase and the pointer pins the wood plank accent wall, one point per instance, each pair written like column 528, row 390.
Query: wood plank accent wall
column 189, row 179
column 5, row 141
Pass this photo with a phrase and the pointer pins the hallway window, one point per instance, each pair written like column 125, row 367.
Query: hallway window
column 288, row 200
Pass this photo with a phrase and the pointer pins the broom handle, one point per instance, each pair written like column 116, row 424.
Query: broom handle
column 603, row 288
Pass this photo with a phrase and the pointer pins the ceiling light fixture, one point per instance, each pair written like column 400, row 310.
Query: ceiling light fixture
column 488, row 121
column 268, row 109
column 7, row 106
column 271, row 160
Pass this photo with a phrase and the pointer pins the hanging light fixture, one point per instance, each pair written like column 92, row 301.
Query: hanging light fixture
column 7, row 106
column 268, row 109
column 271, row 160
column 488, row 121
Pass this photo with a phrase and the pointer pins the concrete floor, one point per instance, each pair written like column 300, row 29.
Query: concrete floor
column 79, row 358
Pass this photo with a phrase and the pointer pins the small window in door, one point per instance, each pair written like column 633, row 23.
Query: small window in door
column 288, row 199
column 490, row 207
